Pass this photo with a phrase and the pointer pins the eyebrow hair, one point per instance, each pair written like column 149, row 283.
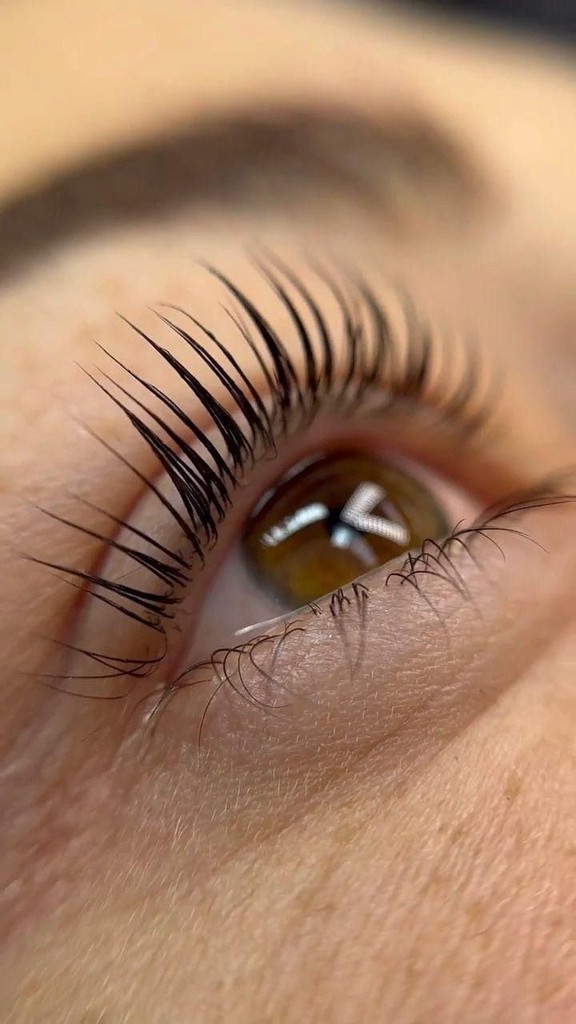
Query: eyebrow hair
column 270, row 158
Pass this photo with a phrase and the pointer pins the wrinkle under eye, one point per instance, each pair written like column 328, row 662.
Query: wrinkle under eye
column 334, row 519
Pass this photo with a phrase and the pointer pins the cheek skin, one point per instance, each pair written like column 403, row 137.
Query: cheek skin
column 451, row 900
column 383, row 881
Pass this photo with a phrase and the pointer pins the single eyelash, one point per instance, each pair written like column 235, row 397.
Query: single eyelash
column 203, row 476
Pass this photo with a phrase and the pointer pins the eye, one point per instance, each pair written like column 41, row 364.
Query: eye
column 331, row 520
column 327, row 522
column 294, row 461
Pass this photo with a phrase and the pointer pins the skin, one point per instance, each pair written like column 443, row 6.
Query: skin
column 400, row 849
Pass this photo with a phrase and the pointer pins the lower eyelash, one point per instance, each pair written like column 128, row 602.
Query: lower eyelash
column 220, row 668
column 227, row 666
column 205, row 467
column 439, row 558
column 435, row 560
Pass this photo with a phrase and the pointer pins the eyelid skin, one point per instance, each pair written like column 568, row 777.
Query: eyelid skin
column 400, row 664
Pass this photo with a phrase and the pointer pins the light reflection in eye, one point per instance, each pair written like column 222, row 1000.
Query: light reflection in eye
column 358, row 513
column 291, row 524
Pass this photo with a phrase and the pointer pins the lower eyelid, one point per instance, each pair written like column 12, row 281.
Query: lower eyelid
column 386, row 658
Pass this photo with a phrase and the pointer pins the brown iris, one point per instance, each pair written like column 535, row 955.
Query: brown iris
column 332, row 520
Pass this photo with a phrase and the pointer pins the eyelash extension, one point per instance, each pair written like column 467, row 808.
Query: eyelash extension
column 206, row 465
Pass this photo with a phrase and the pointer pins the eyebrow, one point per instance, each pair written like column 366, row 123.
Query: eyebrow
column 270, row 158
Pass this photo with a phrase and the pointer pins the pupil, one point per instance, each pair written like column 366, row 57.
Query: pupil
column 330, row 522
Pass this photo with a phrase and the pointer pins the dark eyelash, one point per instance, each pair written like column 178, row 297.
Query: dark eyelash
column 440, row 558
column 205, row 472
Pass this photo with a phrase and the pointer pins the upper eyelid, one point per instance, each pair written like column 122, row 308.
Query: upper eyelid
column 364, row 346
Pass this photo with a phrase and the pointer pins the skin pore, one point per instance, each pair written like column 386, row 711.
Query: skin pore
column 398, row 844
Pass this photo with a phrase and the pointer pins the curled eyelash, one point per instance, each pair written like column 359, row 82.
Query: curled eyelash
column 438, row 558
column 368, row 356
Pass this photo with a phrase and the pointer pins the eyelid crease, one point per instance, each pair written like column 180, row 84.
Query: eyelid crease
column 205, row 473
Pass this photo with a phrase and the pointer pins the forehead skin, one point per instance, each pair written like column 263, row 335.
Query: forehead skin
column 109, row 75
column 450, row 899
column 83, row 82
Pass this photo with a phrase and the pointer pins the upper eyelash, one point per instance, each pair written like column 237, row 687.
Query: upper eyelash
column 298, row 387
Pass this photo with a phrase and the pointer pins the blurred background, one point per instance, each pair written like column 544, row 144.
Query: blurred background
column 555, row 17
